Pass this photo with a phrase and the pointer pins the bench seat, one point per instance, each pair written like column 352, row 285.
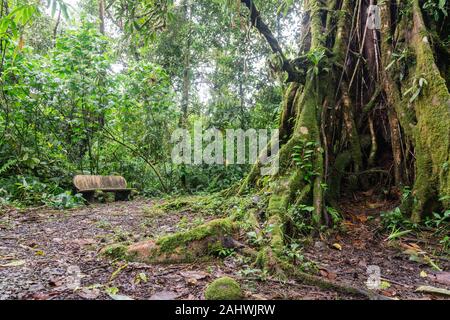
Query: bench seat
column 87, row 185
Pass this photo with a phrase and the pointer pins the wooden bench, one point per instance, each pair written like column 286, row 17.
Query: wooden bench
column 87, row 185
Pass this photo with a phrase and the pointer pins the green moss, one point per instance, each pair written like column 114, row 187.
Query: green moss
column 344, row 20
column 218, row 227
column 277, row 238
column 278, row 205
column 249, row 221
column 224, row 288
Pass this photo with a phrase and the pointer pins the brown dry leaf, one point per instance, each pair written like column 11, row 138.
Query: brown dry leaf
column 191, row 281
column 197, row 275
column 411, row 247
column 434, row 290
column 361, row 218
column 388, row 293
column 358, row 244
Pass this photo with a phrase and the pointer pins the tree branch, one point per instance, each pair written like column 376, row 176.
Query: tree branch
column 263, row 28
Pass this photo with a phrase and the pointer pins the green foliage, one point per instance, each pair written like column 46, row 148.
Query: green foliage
column 224, row 252
column 30, row 191
column 248, row 272
column 394, row 220
column 60, row 6
column 294, row 253
column 253, row 238
column 65, row 200
column 398, row 225
column 303, row 157
column 335, row 215
column 438, row 220
column 318, row 60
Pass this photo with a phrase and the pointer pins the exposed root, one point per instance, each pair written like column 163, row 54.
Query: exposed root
column 328, row 284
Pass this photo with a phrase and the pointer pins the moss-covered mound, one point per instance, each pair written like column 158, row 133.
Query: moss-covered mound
column 197, row 243
column 224, row 288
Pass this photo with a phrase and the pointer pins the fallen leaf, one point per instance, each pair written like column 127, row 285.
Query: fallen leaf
column 423, row 274
column 164, row 295
column 430, row 289
column 89, row 294
column 16, row 263
column 197, row 275
column 388, row 293
column 327, row 274
column 83, row 242
column 337, row 246
column 258, row 297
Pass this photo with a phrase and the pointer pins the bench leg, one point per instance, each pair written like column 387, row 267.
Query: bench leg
column 88, row 196
column 122, row 195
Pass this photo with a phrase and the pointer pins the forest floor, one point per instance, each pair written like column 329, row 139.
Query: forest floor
column 40, row 249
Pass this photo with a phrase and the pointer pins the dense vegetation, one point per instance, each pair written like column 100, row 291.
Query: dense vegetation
column 77, row 98
column 99, row 89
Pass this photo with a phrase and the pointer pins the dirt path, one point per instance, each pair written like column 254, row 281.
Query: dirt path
column 44, row 252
